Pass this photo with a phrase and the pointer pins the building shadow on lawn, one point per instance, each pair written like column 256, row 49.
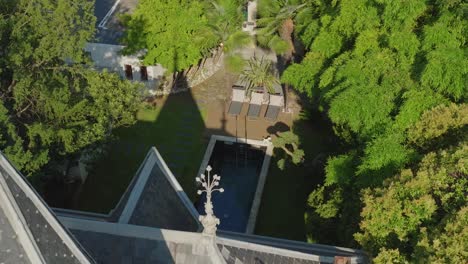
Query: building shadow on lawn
column 175, row 128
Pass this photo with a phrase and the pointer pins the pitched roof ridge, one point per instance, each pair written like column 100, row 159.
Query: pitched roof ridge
column 144, row 174
column 230, row 242
column 296, row 248
column 129, row 230
column 176, row 185
column 16, row 220
column 9, row 171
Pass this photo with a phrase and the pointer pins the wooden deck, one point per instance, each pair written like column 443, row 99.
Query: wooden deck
column 219, row 122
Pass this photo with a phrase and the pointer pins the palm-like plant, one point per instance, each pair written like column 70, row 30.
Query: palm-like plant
column 259, row 73
column 277, row 22
column 225, row 20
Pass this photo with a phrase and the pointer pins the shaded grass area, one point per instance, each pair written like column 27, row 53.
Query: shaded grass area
column 175, row 128
column 286, row 191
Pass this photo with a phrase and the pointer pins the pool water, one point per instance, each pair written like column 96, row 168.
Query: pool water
column 239, row 166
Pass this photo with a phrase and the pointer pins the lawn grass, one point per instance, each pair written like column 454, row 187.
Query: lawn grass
column 174, row 128
column 284, row 198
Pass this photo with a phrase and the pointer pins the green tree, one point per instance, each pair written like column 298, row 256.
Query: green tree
column 175, row 34
column 260, row 73
column 51, row 107
column 391, row 77
column 447, row 242
column 289, row 143
column 408, row 209
column 445, row 46
column 390, row 256
column 11, row 143
column 449, row 122
column 225, row 20
column 276, row 27
column 277, row 22
column 325, row 202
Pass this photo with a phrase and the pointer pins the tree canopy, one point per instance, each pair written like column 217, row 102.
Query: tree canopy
column 53, row 103
column 174, row 34
column 392, row 77
column 416, row 210
column 277, row 23
column 225, row 19
column 178, row 34
column 289, row 143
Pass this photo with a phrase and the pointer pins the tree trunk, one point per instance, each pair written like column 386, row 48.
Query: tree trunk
column 10, row 87
column 287, row 151
column 18, row 114
column 198, row 66
column 219, row 53
column 286, row 33
column 189, row 71
column 203, row 62
column 174, row 80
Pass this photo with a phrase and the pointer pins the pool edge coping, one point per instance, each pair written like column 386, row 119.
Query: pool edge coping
column 261, row 179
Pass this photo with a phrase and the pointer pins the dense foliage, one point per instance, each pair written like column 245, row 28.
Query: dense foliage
column 259, row 72
column 278, row 21
column 392, row 78
column 178, row 34
column 51, row 107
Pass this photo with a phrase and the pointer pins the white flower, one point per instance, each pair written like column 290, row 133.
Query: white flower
column 203, row 176
column 208, row 168
column 199, row 192
column 198, row 179
column 221, row 190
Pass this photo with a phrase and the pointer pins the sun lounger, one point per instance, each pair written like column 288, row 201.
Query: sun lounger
column 255, row 105
column 254, row 110
column 235, row 108
column 274, row 107
column 237, row 99
column 272, row 112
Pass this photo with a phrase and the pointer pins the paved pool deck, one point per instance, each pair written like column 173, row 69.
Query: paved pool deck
column 214, row 95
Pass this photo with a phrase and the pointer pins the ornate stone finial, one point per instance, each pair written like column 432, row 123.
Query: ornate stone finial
column 208, row 183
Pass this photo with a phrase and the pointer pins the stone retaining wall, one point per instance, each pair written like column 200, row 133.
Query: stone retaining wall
column 192, row 80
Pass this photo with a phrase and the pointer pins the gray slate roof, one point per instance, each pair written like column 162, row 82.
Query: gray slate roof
column 153, row 198
column 247, row 248
column 11, row 250
column 155, row 203
column 234, row 255
column 298, row 246
column 107, row 248
column 29, row 232
column 160, row 206
column 157, row 199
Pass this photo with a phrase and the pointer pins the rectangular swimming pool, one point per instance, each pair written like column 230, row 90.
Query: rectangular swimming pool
column 239, row 166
